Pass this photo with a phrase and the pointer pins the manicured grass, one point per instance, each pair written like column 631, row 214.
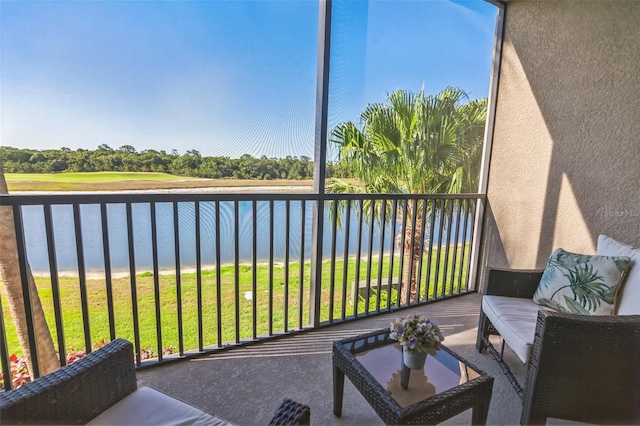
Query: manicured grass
column 122, row 181
column 88, row 177
column 331, row 302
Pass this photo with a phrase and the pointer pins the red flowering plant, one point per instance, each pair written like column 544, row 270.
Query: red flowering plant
column 20, row 373
column 416, row 333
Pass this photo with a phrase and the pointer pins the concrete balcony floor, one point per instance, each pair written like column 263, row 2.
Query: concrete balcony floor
column 244, row 386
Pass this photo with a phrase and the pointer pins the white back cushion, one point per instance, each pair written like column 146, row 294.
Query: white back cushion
column 629, row 298
column 149, row 407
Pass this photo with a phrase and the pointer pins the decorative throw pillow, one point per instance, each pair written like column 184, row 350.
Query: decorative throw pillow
column 581, row 284
column 628, row 302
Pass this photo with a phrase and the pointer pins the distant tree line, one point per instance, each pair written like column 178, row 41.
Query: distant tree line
column 127, row 159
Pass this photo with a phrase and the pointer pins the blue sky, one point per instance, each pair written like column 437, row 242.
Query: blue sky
column 222, row 77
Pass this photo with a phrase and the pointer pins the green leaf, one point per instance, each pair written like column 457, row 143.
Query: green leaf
column 587, row 286
column 575, row 307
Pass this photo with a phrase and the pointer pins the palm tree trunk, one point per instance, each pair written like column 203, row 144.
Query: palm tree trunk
column 412, row 247
column 12, row 283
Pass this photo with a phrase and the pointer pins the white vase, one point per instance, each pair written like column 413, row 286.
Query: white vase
column 413, row 359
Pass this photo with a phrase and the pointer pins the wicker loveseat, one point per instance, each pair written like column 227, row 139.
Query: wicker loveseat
column 101, row 389
column 578, row 367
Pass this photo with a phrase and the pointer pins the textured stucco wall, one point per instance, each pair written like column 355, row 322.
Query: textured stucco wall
column 565, row 163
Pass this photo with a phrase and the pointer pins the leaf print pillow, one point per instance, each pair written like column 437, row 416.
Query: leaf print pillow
column 581, row 284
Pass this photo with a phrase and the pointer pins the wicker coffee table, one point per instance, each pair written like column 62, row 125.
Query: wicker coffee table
column 448, row 385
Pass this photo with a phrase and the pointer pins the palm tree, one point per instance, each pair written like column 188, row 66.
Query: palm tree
column 413, row 144
column 12, row 283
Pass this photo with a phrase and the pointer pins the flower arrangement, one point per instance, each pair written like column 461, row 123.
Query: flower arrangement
column 417, row 334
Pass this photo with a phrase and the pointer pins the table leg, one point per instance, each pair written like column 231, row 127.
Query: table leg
column 479, row 414
column 338, row 390
column 480, row 411
column 404, row 377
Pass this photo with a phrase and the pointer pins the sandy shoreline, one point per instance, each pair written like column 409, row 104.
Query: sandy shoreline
column 97, row 275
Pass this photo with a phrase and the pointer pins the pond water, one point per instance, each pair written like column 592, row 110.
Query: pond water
column 65, row 239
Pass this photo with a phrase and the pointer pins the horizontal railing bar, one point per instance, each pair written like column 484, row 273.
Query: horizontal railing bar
column 343, row 196
column 145, row 197
column 116, row 198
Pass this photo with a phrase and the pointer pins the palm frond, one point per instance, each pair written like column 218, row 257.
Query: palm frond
column 413, row 143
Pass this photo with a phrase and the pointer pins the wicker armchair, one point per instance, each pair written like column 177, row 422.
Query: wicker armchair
column 77, row 393
column 581, row 368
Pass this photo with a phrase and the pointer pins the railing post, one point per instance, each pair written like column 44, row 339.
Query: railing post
column 320, row 157
column 26, row 292
column 82, row 277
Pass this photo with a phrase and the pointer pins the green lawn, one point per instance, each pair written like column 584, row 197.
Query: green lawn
column 121, row 181
column 99, row 321
column 91, row 177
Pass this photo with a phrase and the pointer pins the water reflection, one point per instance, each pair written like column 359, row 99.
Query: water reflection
column 92, row 237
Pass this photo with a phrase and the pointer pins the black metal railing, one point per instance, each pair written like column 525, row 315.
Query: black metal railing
column 185, row 274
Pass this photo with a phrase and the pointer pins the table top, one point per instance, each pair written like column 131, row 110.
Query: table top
column 381, row 357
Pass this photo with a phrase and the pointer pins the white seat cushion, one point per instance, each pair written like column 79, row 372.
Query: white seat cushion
column 147, row 406
column 629, row 298
column 515, row 319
